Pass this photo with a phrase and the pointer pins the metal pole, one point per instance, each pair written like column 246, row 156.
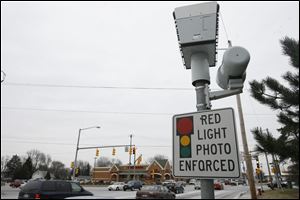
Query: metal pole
column 200, row 76
column 246, row 150
column 95, row 167
column 275, row 165
column 75, row 162
column 130, row 149
column 134, row 163
column 270, row 176
column 260, row 176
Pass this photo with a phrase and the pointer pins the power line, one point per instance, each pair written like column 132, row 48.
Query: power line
column 224, row 26
column 83, row 111
column 93, row 87
column 106, row 112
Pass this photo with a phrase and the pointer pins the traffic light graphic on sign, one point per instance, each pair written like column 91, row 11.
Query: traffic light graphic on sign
column 185, row 128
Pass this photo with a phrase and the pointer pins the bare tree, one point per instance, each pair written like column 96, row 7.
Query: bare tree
column 157, row 158
column 58, row 170
column 103, row 162
column 4, row 160
column 38, row 158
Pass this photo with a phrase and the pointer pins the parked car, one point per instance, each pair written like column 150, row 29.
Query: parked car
column 131, row 185
column 234, row 183
column 16, row 183
column 116, row 186
column 197, row 185
column 155, row 192
column 192, row 181
column 218, row 185
column 166, row 182
column 183, row 183
column 284, row 184
column 175, row 187
column 227, row 182
column 53, row 189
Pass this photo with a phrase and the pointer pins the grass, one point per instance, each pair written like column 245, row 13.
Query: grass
column 279, row 194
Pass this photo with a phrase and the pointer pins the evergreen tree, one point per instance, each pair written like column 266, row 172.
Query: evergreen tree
column 27, row 169
column 13, row 167
column 285, row 100
column 48, row 177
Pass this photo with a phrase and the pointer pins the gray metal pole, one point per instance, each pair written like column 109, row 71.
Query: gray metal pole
column 130, row 148
column 270, row 175
column 134, row 163
column 200, row 77
column 246, row 150
column 75, row 162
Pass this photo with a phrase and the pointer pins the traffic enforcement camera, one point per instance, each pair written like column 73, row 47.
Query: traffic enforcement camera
column 197, row 31
column 232, row 73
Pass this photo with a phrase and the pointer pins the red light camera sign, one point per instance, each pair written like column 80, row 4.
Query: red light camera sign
column 205, row 145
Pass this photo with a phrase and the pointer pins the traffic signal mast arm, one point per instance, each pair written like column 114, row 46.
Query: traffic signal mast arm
column 102, row 147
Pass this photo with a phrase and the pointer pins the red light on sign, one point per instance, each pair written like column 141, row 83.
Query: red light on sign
column 185, row 126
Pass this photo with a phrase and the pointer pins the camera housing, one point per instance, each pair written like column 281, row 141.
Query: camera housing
column 197, row 31
column 232, row 73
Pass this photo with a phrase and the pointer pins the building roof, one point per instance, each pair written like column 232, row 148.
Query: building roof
column 162, row 162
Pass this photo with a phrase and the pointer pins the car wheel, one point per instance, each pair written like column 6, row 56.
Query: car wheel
column 109, row 189
column 131, row 189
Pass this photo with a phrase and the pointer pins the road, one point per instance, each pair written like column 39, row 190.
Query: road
column 229, row 192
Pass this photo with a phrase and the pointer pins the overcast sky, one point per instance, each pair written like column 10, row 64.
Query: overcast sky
column 94, row 46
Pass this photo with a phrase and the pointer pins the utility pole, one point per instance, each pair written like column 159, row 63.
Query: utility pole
column 246, row 150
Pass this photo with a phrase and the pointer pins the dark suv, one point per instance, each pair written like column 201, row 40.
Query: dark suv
column 131, row 185
column 54, row 189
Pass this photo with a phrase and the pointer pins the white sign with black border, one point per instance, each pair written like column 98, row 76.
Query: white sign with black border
column 205, row 144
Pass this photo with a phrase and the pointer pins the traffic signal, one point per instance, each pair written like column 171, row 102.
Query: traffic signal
column 97, row 152
column 130, row 150
column 77, row 171
column 185, row 128
column 257, row 163
column 133, row 150
column 139, row 159
column 257, row 171
column 114, row 151
column 72, row 165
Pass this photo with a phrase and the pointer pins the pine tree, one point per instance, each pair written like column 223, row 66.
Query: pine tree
column 13, row 167
column 27, row 169
column 285, row 100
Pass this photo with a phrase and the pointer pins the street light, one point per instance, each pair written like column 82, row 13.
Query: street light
column 75, row 162
column 3, row 75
